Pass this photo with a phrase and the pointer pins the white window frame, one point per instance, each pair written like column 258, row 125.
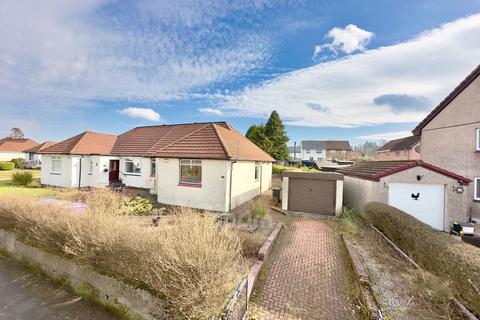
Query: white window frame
column 153, row 167
column 191, row 163
column 307, row 150
column 59, row 160
column 477, row 136
column 90, row 167
column 137, row 171
column 476, row 189
column 257, row 171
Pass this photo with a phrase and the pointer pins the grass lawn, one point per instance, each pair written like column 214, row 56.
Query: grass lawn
column 7, row 189
column 7, row 174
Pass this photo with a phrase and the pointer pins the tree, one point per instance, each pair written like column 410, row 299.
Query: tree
column 275, row 131
column 271, row 137
column 368, row 149
column 256, row 134
column 16, row 133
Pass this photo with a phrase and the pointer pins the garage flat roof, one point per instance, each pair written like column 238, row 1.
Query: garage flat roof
column 375, row 170
column 312, row 175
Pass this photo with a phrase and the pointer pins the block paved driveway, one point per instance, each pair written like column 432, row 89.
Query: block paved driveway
column 304, row 277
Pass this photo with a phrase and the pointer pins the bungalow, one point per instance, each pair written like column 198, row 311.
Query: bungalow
column 201, row 165
column 13, row 148
column 32, row 156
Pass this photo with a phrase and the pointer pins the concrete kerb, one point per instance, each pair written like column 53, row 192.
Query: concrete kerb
column 361, row 276
column 132, row 302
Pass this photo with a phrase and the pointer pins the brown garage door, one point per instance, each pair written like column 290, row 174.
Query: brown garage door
column 312, row 196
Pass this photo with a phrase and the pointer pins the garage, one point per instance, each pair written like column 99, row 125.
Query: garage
column 431, row 194
column 308, row 192
column 426, row 202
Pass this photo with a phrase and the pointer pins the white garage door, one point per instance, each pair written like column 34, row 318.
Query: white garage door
column 423, row 201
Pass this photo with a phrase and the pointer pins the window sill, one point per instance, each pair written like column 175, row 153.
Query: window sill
column 476, row 200
column 56, row 173
column 132, row 174
column 192, row 185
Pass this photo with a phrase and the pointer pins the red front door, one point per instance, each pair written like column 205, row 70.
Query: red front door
column 113, row 170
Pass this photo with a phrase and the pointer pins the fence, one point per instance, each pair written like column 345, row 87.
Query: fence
column 237, row 306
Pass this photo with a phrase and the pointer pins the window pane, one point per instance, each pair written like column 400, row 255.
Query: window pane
column 197, row 162
column 153, row 166
column 184, row 161
column 129, row 166
column 191, row 173
column 477, row 188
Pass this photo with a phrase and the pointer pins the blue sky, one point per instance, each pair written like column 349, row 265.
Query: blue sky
column 352, row 70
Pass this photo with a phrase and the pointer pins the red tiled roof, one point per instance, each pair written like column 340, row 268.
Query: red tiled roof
column 16, row 145
column 240, row 148
column 210, row 140
column 462, row 86
column 375, row 170
column 40, row 147
column 337, row 145
column 84, row 144
column 400, row 144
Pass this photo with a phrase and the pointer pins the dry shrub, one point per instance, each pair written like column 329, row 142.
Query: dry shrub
column 435, row 251
column 189, row 261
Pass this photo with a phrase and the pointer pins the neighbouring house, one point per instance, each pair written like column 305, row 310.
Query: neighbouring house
column 340, row 150
column 312, row 151
column 431, row 194
column 295, row 153
column 407, row 148
column 13, row 148
column 33, row 158
column 201, row 165
column 450, row 136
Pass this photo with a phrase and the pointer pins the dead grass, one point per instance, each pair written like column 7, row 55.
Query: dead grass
column 402, row 291
column 433, row 250
column 189, row 261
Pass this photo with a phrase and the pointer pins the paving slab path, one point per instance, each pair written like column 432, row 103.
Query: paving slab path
column 28, row 296
column 305, row 276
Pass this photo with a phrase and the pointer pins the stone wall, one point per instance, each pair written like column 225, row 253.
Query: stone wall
column 107, row 291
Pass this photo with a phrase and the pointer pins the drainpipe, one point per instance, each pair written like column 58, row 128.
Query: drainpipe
column 261, row 176
column 80, row 173
column 230, row 192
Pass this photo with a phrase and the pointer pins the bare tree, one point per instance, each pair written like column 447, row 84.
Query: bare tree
column 16, row 133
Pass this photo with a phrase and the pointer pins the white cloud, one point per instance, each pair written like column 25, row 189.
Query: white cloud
column 346, row 40
column 97, row 50
column 428, row 66
column 386, row 135
column 212, row 111
column 142, row 113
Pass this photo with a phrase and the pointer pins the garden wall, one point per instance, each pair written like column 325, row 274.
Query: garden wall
column 133, row 302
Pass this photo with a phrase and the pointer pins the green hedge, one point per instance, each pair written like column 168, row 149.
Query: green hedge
column 435, row 251
column 277, row 169
column 7, row 165
column 18, row 162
